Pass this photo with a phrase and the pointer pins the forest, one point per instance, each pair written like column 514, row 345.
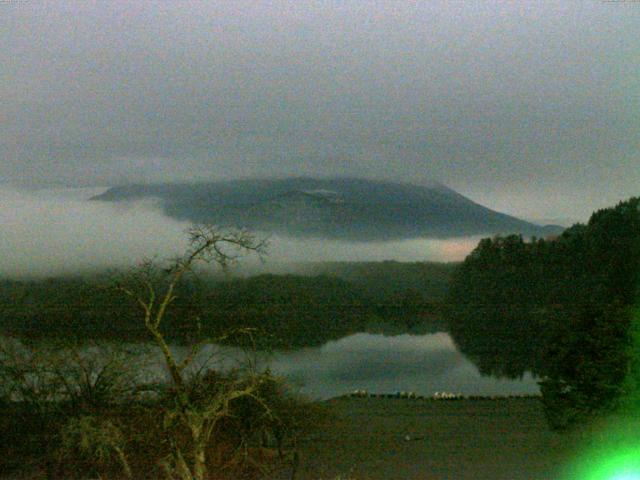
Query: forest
column 325, row 302
column 563, row 308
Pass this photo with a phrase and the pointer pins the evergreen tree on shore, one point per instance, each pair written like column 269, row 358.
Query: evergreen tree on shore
column 560, row 308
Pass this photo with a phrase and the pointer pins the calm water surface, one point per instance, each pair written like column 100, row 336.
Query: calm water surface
column 423, row 364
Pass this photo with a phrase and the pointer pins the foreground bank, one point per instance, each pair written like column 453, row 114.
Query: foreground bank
column 387, row 438
column 370, row 438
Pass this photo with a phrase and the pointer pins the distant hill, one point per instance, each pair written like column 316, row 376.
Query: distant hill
column 338, row 208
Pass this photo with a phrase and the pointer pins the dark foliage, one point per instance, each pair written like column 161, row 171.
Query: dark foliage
column 494, row 306
column 296, row 310
column 247, row 443
column 561, row 308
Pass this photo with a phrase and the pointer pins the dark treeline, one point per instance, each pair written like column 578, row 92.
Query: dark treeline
column 403, row 294
column 561, row 308
column 288, row 311
column 389, row 280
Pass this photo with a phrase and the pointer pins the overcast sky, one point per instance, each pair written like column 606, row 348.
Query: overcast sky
column 529, row 107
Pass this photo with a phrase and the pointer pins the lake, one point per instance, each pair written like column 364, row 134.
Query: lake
column 423, row 364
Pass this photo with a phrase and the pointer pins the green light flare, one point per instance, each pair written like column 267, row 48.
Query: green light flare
column 608, row 464
column 631, row 400
column 611, row 449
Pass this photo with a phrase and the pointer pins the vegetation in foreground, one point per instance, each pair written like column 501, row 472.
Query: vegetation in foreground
column 367, row 439
column 84, row 436
column 86, row 416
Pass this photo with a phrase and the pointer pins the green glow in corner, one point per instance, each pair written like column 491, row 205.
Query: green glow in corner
column 616, row 465
column 612, row 450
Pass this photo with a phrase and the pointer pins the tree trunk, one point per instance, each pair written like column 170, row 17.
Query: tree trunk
column 181, row 465
column 124, row 462
column 199, row 460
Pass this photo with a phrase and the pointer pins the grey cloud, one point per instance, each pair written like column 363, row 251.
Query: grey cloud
column 512, row 103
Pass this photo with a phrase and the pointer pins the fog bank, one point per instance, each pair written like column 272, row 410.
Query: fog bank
column 58, row 231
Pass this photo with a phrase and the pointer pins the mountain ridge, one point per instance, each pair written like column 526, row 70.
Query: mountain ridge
column 339, row 208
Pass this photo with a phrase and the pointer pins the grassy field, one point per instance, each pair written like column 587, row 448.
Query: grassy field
column 464, row 439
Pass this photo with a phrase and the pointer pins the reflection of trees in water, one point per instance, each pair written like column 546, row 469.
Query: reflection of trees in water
column 421, row 363
column 297, row 311
column 383, row 364
column 562, row 308
column 492, row 307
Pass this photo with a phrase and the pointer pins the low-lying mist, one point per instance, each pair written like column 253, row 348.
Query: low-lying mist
column 58, row 232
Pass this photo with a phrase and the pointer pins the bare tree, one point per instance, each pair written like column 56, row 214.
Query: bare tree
column 154, row 287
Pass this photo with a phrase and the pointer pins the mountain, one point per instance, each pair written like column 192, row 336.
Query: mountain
column 339, row 208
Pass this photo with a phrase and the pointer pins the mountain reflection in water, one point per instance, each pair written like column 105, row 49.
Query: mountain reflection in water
column 423, row 364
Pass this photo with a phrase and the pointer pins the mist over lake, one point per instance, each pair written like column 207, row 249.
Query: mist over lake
column 57, row 231
column 208, row 207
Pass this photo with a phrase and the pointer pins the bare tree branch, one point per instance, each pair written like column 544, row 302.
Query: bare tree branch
column 153, row 288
